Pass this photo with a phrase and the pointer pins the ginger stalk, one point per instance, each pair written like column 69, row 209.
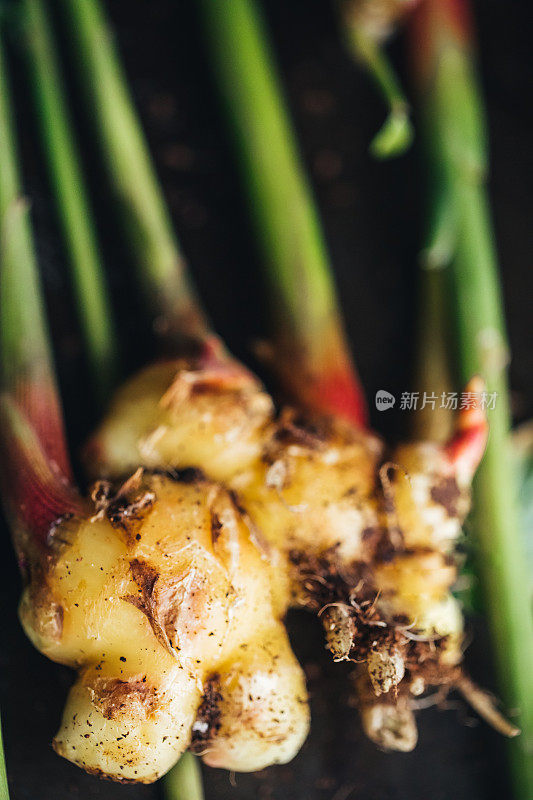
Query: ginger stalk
column 310, row 351
column 184, row 781
column 322, row 496
column 4, row 789
column 179, row 320
column 247, row 77
column 451, row 105
column 36, row 470
column 157, row 593
column 64, row 167
column 166, row 590
column 367, row 24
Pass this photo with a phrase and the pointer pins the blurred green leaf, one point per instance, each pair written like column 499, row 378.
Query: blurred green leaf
column 4, row 791
column 184, row 781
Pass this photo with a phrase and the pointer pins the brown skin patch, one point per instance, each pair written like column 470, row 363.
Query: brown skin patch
column 114, row 697
column 101, row 494
column 320, row 579
column 128, row 506
column 293, row 428
column 145, row 576
column 207, row 722
column 128, row 513
column 187, row 475
column 447, row 494
column 216, row 527
column 161, row 601
column 378, row 541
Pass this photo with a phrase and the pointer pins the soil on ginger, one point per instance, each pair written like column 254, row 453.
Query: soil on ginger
column 373, row 218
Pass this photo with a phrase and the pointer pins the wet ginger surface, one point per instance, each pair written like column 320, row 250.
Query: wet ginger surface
column 168, row 597
column 159, row 598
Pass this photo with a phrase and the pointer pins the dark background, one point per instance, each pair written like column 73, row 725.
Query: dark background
column 373, row 218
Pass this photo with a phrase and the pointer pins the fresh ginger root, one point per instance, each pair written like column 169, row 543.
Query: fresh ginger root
column 168, row 609
column 169, row 595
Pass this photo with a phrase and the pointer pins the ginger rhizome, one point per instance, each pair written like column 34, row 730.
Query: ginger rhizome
column 171, row 612
column 168, row 594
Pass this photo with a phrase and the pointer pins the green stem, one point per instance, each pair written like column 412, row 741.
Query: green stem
column 73, row 205
column 455, row 143
column 24, row 336
column 184, row 781
column 35, row 471
column 396, row 134
column 312, row 354
column 27, row 375
column 144, row 215
column 433, row 367
column 4, row 790
column 26, row 364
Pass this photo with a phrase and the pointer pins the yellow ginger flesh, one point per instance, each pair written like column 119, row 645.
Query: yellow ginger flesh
column 316, row 488
column 160, row 598
column 168, row 598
